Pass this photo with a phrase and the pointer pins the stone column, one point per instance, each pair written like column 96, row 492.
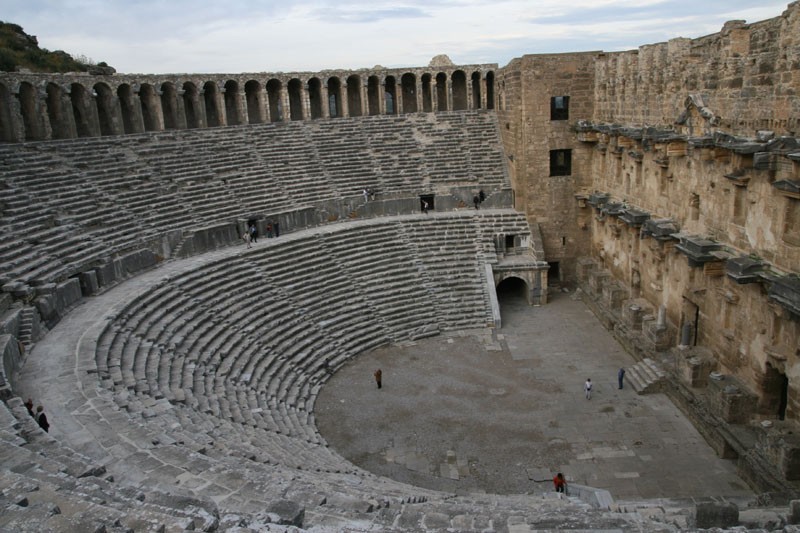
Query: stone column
column 344, row 97
column 222, row 109
column 137, row 119
column 305, row 98
column 16, row 130
column 180, row 110
column 326, row 108
column 418, row 90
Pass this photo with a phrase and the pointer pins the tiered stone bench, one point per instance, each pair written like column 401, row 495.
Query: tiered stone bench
column 72, row 205
column 194, row 386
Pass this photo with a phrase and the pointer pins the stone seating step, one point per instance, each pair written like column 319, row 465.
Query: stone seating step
column 646, row 376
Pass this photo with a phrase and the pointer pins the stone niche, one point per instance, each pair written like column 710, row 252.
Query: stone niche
column 695, row 364
column 781, row 447
column 730, row 400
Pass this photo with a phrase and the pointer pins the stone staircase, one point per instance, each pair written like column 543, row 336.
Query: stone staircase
column 645, row 377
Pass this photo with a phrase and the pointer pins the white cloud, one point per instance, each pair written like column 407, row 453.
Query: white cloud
column 277, row 35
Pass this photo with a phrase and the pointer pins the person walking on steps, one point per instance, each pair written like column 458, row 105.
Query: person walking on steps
column 560, row 483
column 587, row 388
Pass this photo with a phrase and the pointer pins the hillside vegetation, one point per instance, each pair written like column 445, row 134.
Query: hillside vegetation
column 20, row 51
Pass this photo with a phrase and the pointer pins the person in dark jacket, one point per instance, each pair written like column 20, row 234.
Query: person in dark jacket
column 41, row 418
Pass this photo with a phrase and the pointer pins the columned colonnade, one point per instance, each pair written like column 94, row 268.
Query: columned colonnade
column 66, row 106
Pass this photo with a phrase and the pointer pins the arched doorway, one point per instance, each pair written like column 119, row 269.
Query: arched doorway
column 295, row 88
column 252, row 90
column 315, row 97
column 512, row 297
column 459, row 90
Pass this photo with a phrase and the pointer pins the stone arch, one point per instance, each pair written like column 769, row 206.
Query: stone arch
column 210, row 98
column 275, row 106
column 315, row 97
column 79, row 97
column 513, row 285
column 374, row 95
column 6, row 126
column 29, row 107
column 427, row 95
column 441, row 92
column 106, row 108
column 459, row 80
column 476, row 90
column 252, row 101
column 390, row 94
column 408, row 82
column 354, row 96
column 490, row 90
column 169, row 106
column 232, row 112
column 334, row 97
column 295, row 88
column 191, row 105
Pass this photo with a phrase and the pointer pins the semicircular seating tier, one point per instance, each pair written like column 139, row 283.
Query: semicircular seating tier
column 245, row 342
column 70, row 205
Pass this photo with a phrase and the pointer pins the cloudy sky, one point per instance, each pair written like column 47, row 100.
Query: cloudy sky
column 201, row 36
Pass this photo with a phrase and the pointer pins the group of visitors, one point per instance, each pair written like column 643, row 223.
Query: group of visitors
column 251, row 233
column 368, row 193
column 38, row 415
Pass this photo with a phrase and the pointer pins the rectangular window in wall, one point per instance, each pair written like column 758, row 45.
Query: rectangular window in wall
column 559, row 108
column 560, row 162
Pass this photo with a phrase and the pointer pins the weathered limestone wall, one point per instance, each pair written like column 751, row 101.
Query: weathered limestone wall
column 526, row 87
column 748, row 72
column 683, row 200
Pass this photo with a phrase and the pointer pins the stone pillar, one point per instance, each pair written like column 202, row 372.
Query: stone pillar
column 200, row 107
column 305, row 97
column 180, row 110
column 344, row 97
column 17, row 126
column 222, row 109
column 326, row 106
column 286, row 107
column 418, row 89
column 68, row 115
column 661, row 322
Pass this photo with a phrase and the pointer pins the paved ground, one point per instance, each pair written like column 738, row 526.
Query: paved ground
column 502, row 412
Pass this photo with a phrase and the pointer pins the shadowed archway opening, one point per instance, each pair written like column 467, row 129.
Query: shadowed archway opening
column 512, row 290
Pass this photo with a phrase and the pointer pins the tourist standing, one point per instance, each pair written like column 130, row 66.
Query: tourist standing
column 621, row 377
column 41, row 419
column 587, row 387
column 560, row 483
column 378, row 375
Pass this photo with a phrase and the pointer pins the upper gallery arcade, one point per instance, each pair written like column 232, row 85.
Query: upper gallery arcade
column 66, row 106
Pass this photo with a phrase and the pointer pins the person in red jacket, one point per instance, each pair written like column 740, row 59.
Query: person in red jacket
column 560, row 483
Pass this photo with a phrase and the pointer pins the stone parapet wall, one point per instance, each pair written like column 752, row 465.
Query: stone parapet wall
column 749, row 74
